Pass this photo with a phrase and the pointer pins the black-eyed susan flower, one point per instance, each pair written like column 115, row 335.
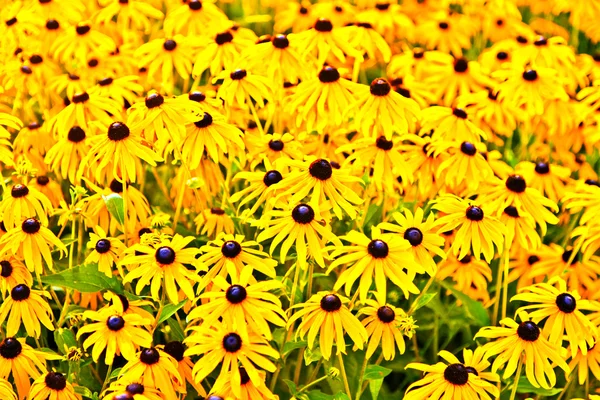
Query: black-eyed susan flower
column 222, row 345
column 6, row 390
column 381, row 156
column 514, row 340
column 32, row 242
column 419, row 232
column 155, row 369
column 465, row 164
column 326, row 314
column 324, row 41
column 446, row 33
column 380, row 258
column 453, row 379
column 231, row 254
column 477, row 363
column 220, row 52
column 387, row 18
column 243, row 306
column 66, row 155
column 53, row 385
column 118, row 334
column 247, row 390
column 12, row 273
column 386, row 325
column 49, row 187
column 26, row 307
column 489, row 114
column 470, row 275
column 12, row 122
column 24, row 202
column 585, row 363
column 563, row 312
column 273, row 147
column 454, row 77
column 528, row 90
column 520, row 229
column 106, row 251
column 193, row 17
column 163, row 266
column 160, row 56
column 176, row 349
column 22, row 362
column 213, row 221
column 77, row 42
column 498, row 194
column 212, row 134
column 321, row 101
column 133, row 14
column 451, row 124
column 301, row 225
column 549, row 179
column 124, row 90
column 117, row 151
column 162, row 120
column 477, row 229
column 122, row 390
column 83, row 109
column 379, row 110
column 277, row 61
column 318, row 179
column 258, row 183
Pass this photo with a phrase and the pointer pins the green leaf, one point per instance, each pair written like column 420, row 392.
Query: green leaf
column 318, row 395
column 291, row 346
column 114, row 204
column 85, row 279
column 115, row 373
column 341, row 396
column 424, row 300
column 65, row 339
column 176, row 331
column 526, row 387
column 311, row 356
column 376, row 372
column 83, row 391
column 474, row 309
column 292, row 386
column 375, row 387
column 169, row 310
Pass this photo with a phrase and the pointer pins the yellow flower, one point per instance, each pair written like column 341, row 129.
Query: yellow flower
column 243, row 306
column 378, row 258
column 300, row 226
column 24, row 202
column 511, row 342
column 454, row 379
column 325, row 314
column 118, row 334
column 53, row 385
column 162, row 265
column 477, row 229
column 223, row 345
column 106, row 251
column 385, row 325
column 28, row 308
column 32, row 241
column 563, row 310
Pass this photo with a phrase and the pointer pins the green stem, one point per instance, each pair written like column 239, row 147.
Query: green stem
column 313, row 375
column 513, row 393
column 310, row 280
column 505, row 260
column 344, row 376
column 360, row 376
column 497, row 295
column 313, row 383
column 425, row 289
column 298, row 369
column 106, row 378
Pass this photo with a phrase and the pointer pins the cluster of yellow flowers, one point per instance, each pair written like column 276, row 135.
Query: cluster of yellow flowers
column 209, row 196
